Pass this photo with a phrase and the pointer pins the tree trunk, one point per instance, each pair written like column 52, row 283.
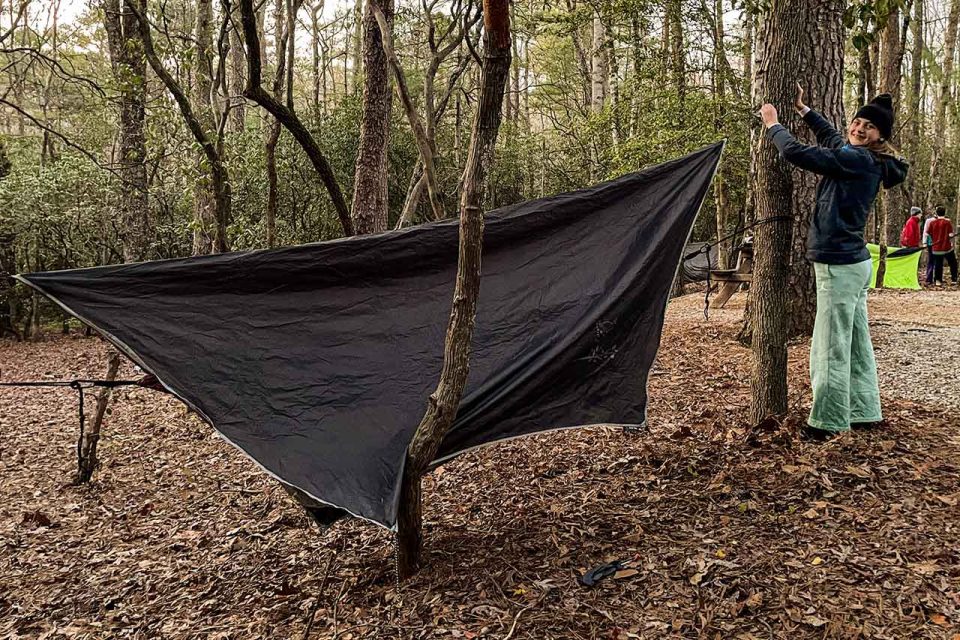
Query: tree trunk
column 781, row 54
column 916, row 89
column 890, row 74
column 87, row 454
column 205, row 220
column 424, row 143
column 238, row 63
column 370, row 204
column 582, row 63
column 443, row 403
column 942, row 102
column 129, row 71
column 720, row 188
column 820, row 71
column 8, row 300
column 599, row 73
column 678, row 65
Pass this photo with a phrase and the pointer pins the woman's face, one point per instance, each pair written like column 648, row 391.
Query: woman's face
column 862, row 132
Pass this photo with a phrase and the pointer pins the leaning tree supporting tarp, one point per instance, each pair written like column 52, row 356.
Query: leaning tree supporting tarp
column 316, row 360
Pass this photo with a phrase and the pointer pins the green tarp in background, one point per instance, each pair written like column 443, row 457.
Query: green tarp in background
column 902, row 265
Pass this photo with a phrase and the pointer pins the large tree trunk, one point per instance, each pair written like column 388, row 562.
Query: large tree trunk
column 784, row 50
column 370, row 205
column 129, row 71
column 821, row 74
column 443, row 403
column 890, row 68
column 942, row 101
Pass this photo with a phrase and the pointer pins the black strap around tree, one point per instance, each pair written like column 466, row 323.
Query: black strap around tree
column 77, row 385
column 709, row 245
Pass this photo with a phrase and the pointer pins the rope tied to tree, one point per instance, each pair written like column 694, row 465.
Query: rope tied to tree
column 707, row 246
column 79, row 385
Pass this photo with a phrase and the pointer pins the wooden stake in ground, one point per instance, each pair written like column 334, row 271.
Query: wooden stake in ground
column 443, row 403
column 87, row 457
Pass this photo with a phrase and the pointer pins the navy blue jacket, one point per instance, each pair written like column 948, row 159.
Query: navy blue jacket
column 852, row 177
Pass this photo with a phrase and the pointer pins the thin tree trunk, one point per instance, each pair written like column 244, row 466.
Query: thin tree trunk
column 916, row 89
column 443, row 403
column 204, row 136
column 288, row 117
column 419, row 132
column 87, row 455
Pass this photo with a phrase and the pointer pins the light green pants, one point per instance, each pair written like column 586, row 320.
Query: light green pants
column 843, row 371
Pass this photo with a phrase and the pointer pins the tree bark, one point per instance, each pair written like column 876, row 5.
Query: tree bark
column 784, row 50
column 916, row 89
column 942, row 102
column 890, row 73
column 443, row 403
column 820, row 70
column 128, row 64
column 370, row 208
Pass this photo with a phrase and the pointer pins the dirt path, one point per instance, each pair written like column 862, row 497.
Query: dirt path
column 732, row 533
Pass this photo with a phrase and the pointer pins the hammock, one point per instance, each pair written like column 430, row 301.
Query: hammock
column 317, row 360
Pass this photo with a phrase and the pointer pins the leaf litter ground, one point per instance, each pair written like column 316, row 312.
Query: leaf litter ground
column 728, row 532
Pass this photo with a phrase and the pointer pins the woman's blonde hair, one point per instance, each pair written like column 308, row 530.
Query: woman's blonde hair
column 883, row 147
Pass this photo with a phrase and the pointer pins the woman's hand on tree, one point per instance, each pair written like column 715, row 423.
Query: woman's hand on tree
column 798, row 102
column 768, row 114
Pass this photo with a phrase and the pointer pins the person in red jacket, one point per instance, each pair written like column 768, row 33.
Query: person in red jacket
column 910, row 235
column 941, row 233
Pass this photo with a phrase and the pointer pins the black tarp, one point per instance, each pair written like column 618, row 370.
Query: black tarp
column 317, row 360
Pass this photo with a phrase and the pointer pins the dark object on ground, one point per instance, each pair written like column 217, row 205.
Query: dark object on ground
column 595, row 575
column 817, row 435
column 317, row 360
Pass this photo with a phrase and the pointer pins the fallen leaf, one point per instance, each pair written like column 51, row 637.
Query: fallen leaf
column 939, row 620
column 696, row 579
column 817, row 561
column 625, row 573
column 814, row 621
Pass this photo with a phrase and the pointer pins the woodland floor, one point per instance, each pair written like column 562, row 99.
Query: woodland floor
column 732, row 533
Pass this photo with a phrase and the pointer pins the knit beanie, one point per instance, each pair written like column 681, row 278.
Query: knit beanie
column 879, row 111
column 914, row 211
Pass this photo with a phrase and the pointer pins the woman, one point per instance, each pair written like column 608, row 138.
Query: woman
column 843, row 372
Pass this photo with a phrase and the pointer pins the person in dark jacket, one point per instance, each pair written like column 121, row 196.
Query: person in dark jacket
column 843, row 371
